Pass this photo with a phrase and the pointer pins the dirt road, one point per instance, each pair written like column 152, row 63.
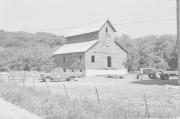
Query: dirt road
column 10, row 111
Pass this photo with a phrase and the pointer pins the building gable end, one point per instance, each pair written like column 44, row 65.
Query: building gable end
column 109, row 24
column 121, row 47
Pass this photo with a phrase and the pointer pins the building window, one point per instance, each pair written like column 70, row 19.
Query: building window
column 92, row 58
column 106, row 30
column 64, row 70
column 80, row 70
column 64, row 59
column 72, row 70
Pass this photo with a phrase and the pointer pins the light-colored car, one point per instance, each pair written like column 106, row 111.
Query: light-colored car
column 59, row 76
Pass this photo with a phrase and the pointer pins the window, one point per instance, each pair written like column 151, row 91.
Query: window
column 64, row 70
column 64, row 59
column 80, row 70
column 106, row 30
column 72, row 70
column 92, row 58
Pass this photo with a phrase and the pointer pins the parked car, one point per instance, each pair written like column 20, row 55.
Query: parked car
column 59, row 76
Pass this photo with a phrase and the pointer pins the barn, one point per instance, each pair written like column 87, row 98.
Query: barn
column 91, row 49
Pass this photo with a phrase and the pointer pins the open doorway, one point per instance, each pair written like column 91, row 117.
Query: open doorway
column 109, row 61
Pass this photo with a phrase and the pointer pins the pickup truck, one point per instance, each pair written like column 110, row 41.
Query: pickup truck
column 59, row 76
column 156, row 73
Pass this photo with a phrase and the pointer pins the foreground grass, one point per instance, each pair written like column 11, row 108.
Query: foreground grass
column 51, row 106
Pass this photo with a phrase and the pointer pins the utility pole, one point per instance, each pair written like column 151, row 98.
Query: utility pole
column 178, row 36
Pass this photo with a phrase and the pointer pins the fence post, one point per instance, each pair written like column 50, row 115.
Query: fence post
column 34, row 84
column 14, row 77
column 146, row 106
column 97, row 95
column 47, row 87
column 8, row 77
column 24, row 77
column 66, row 91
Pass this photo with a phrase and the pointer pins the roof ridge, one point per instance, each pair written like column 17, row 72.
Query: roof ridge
column 80, row 42
column 83, row 29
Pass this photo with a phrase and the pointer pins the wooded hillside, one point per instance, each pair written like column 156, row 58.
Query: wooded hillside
column 27, row 51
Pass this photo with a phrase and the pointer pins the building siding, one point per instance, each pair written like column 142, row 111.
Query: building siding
column 103, row 34
column 101, row 51
column 106, row 47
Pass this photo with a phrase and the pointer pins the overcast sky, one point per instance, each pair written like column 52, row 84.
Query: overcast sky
column 142, row 17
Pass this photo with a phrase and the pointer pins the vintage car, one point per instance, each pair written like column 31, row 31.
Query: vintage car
column 152, row 73
column 59, row 76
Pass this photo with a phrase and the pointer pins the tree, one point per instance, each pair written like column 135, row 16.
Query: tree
column 30, row 58
column 150, row 51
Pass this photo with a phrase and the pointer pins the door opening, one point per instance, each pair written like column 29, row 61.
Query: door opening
column 108, row 61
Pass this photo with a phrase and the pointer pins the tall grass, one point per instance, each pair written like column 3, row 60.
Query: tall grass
column 60, row 107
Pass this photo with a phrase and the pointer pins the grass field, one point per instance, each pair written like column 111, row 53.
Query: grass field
column 118, row 98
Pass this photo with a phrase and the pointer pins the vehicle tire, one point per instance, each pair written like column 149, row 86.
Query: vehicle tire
column 48, row 79
column 164, row 77
column 41, row 78
column 152, row 76
column 137, row 76
column 68, row 79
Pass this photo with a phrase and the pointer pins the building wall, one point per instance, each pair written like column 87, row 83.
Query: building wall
column 82, row 38
column 103, row 34
column 101, row 51
column 72, row 63
column 106, row 47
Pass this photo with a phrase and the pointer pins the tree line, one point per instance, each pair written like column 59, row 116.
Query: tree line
column 27, row 51
column 156, row 51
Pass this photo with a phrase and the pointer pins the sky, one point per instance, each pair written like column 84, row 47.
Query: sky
column 135, row 18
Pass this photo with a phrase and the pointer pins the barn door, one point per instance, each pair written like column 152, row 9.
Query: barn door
column 108, row 61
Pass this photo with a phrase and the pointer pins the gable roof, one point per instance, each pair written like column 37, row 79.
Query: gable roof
column 88, row 28
column 75, row 47
column 82, row 38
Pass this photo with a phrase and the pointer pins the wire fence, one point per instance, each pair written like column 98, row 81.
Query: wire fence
column 31, row 79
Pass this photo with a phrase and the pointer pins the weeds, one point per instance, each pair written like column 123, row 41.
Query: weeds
column 59, row 107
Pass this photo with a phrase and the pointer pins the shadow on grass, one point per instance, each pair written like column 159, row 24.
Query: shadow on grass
column 157, row 82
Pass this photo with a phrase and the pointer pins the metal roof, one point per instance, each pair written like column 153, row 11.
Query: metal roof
column 75, row 47
column 88, row 28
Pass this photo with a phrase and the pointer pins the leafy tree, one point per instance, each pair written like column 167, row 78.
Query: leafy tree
column 31, row 58
column 150, row 51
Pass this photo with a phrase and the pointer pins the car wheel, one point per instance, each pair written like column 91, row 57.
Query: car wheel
column 137, row 76
column 41, row 78
column 152, row 76
column 48, row 79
